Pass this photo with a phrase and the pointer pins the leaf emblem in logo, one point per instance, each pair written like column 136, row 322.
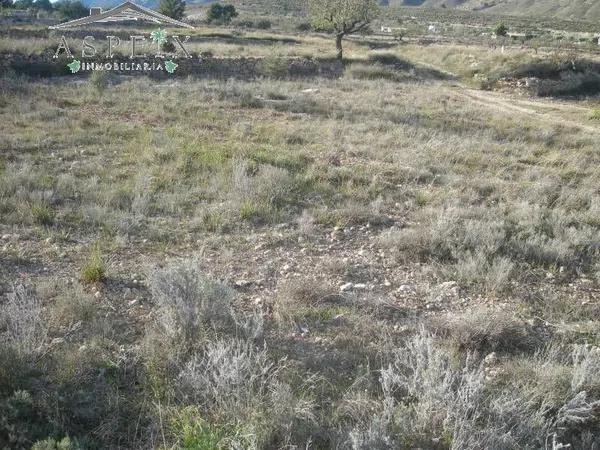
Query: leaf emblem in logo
column 75, row 65
column 170, row 66
column 159, row 36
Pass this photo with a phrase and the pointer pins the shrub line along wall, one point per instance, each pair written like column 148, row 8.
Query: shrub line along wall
column 208, row 67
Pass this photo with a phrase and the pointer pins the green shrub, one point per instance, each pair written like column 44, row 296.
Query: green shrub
column 43, row 214
column 172, row 8
column 247, row 100
column 245, row 23
column 275, row 67
column 372, row 72
column 167, row 47
column 191, row 431
column 501, row 29
column 94, row 269
column 263, row 24
column 220, row 14
column 52, row 444
column 71, row 9
column 99, row 80
column 303, row 26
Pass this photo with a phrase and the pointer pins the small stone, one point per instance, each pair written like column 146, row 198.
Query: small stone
column 303, row 330
column 339, row 320
column 242, row 283
column 360, row 286
column 404, row 288
column 386, row 283
column 346, row 287
column 491, row 359
column 5, row 237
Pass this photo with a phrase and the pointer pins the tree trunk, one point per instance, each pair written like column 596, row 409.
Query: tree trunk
column 338, row 46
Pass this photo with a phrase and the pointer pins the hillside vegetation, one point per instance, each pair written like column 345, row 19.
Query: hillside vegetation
column 404, row 255
column 574, row 9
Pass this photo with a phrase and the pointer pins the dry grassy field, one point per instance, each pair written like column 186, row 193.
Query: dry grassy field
column 407, row 256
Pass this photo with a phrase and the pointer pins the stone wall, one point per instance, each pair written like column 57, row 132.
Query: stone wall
column 201, row 67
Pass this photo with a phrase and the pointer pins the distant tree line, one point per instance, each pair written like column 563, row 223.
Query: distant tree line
column 65, row 9
column 174, row 9
column 221, row 14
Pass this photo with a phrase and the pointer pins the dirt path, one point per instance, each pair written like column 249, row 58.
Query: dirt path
column 550, row 111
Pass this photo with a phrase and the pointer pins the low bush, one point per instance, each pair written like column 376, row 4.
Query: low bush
column 486, row 330
column 42, row 214
column 94, row 269
column 430, row 400
column 189, row 303
column 478, row 247
column 275, row 67
column 99, row 80
column 21, row 317
column 263, row 24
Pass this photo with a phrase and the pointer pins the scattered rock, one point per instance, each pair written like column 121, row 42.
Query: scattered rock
column 346, row 287
column 491, row 359
column 449, row 290
column 303, row 330
column 339, row 320
column 242, row 283
column 404, row 288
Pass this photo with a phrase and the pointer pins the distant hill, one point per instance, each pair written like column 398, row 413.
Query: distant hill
column 588, row 10
column 564, row 9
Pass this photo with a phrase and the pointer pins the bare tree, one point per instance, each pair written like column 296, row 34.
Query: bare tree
column 342, row 16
